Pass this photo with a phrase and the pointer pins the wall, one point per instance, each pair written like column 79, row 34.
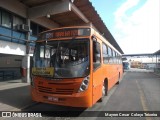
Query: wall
column 12, row 48
column 10, row 61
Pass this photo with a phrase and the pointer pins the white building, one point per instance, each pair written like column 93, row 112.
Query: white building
column 22, row 20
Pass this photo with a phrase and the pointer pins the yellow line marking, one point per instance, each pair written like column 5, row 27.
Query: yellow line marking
column 143, row 100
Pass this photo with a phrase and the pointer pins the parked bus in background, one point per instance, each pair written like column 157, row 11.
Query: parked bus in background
column 126, row 65
column 74, row 66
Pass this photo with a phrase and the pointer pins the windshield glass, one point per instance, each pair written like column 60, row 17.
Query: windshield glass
column 68, row 58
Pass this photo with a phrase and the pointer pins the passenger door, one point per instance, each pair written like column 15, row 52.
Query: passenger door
column 97, row 71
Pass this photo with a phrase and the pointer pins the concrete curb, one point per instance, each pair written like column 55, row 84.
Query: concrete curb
column 11, row 86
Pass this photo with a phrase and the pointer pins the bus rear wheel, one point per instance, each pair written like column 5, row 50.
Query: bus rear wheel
column 118, row 79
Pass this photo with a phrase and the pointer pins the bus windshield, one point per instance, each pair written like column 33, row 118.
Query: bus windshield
column 68, row 58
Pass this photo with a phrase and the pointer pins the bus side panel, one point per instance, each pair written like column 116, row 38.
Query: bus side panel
column 98, row 78
column 111, row 73
column 120, row 71
column 116, row 74
column 107, row 72
column 97, row 84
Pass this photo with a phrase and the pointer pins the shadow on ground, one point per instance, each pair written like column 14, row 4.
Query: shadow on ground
column 16, row 97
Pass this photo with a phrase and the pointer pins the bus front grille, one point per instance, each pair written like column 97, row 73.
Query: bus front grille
column 64, row 91
column 50, row 90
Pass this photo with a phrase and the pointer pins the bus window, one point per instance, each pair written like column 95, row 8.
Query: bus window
column 42, row 55
column 109, row 51
column 114, row 57
column 110, row 55
column 105, row 54
column 96, row 55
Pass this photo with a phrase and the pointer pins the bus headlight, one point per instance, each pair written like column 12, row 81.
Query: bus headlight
column 84, row 84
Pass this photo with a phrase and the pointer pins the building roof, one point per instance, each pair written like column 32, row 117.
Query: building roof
column 142, row 55
column 89, row 11
column 157, row 52
column 138, row 55
column 70, row 18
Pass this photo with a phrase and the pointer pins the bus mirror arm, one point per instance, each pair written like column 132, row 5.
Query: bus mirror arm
column 94, row 38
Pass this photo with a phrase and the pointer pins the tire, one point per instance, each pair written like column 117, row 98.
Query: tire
column 118, row 80
column 104, row 92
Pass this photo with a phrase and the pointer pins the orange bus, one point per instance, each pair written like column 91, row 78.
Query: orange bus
column 74, row 66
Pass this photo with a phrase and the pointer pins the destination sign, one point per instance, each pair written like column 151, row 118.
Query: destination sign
column 67, row 32
column 43, row 71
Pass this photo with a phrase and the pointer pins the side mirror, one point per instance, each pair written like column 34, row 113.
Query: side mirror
column 95, row 47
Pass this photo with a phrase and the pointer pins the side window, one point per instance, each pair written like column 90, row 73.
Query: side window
column 0, row 17
column 36, row 29
column 117, row 58
column 109, row 51
column 105, row 54
column 6, row 19
column 17, row 21
column 120, row 59
column 114, row 57
column 110, row 55
column 96, row 55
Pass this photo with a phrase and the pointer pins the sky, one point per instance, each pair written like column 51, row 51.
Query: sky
column 135, row 24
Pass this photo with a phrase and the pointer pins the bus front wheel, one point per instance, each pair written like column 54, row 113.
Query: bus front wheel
column 104, row 91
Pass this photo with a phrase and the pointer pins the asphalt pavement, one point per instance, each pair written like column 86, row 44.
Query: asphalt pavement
column 14, row 95
column 137, row 91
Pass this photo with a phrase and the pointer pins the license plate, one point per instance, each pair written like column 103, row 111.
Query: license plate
column 52, row 99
